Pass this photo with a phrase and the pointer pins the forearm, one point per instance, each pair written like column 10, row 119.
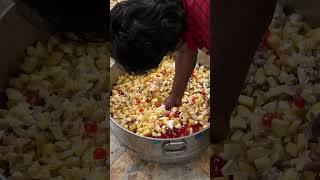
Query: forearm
column 184, row 65
column 238, row 30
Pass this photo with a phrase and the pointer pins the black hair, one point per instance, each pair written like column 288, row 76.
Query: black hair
column 144, row 31
column 88, row 20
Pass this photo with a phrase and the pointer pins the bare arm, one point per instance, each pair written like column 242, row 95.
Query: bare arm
column 184, row 64
column 237, row 31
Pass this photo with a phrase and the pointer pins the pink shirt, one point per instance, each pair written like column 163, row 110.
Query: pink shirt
column 197, row 34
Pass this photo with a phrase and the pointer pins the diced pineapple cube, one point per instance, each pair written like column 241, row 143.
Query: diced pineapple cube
column 270, row 107
column 293, row 128
column 280, row 127
column 255, row 153
column 292, row 149
column 246, row 100
column 271, row 70
column 230, row 168
column 232, row 151
column 263, row 163
column 245, row 167
column 302, row 143
column 308, row 175
column 260, row 78
column 238, row 122
column 236, row 136
column 313, row 111
column 272, row 82
column 290, row 174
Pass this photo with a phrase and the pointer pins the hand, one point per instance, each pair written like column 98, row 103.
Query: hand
column 172, row 101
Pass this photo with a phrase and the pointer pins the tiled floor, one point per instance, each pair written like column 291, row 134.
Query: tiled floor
column 126, row 166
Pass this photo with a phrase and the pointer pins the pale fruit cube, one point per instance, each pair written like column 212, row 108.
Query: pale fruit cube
column 313, row 111
column 243, row 111
column 270, row 107
column 245, row 167
column 246, row 100
column 294, row 126
column 220, row 178
column 263, row 163
column 238, row 122
column 290, row 174
column 241, row 176
column 236, row 136
column 277, row 153
column 283, row 106
column 259, row 77
column 276, row 91
column 232, row 151
column 255, row 153
column 308, row 175
column 292, row 149
column 271, row 70
column 300, row 162
column 280, row 127
column 230, row 168
column 302, row 143
column 272, row 82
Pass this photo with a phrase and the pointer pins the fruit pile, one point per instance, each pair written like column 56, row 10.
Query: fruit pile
column 137, row 103
column 54, row 126
column 280, row 99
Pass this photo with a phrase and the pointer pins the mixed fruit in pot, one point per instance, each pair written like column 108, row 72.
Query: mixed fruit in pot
column 54, row 124
column 280, row 100
column 137, row 101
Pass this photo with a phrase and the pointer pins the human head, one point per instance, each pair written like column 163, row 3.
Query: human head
column 144, row 31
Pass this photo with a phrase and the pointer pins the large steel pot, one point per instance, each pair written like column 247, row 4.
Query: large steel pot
column 154, row 149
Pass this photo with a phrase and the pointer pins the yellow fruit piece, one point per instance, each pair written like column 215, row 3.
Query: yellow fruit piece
column 302, row 143
column 292, row 149
column 245, row 167
column 280, row 127
column 232, row 151
column 246, row 100
column 290, row 174
column 255, row 153
column 263, row 163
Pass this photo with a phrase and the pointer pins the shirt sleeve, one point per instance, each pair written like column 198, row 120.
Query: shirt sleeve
column 188, row 38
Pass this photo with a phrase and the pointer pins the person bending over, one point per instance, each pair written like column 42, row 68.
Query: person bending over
column 144, row 31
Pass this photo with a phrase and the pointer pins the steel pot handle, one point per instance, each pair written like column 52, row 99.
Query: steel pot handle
column 174, row 147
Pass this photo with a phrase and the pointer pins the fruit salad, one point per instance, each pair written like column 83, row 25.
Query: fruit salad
column 137, row 101
column 280, row 99
column 53, row 126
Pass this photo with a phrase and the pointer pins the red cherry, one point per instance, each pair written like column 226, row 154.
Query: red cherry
column 193, row 73
column 182, row 131
column 265, row 39
column 194, row 99
column 203, row 92
column 196, row 127
column 141, row 110
column 120, row 92
column 34, row 100
column 216, row 163
column 138, row 101
column 100, row 154
column 167, row 114
column 267, row 120
column 90, row 127
column 299, row 102
column 176, row 114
